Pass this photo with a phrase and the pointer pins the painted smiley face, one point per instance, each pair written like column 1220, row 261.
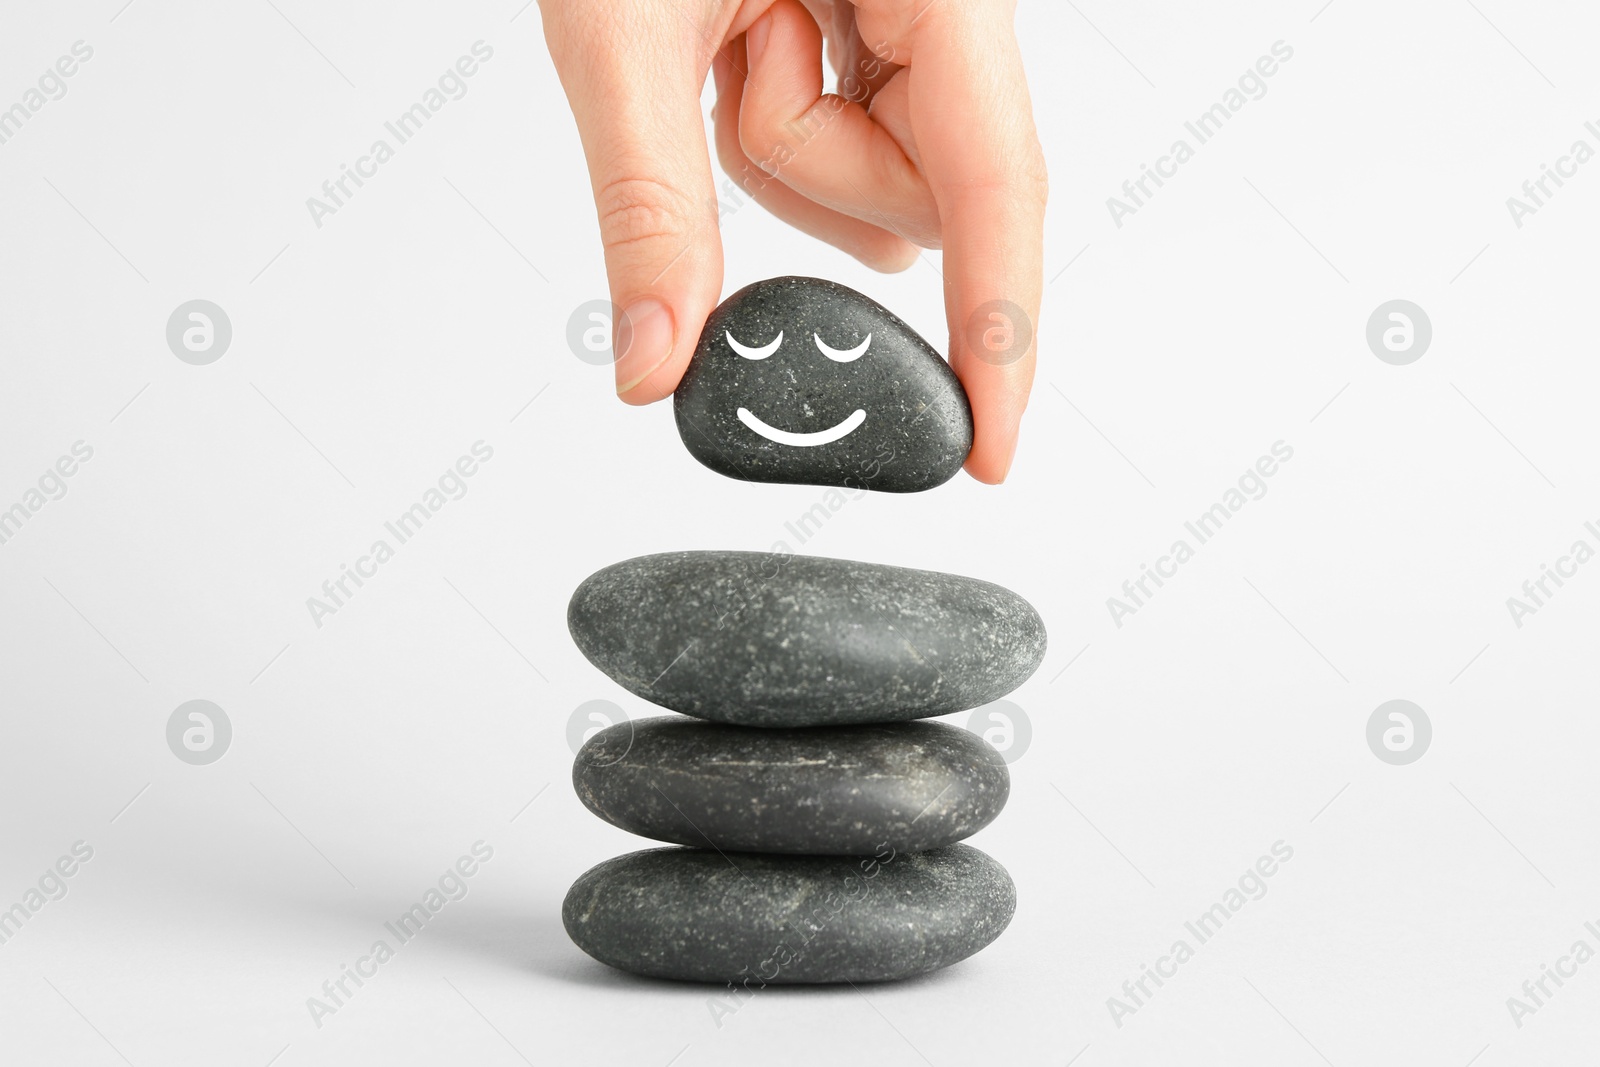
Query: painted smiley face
column 812, row 438
column 801, row 380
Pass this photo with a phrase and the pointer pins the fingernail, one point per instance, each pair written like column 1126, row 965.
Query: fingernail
column 643, row 341
column 755, row 38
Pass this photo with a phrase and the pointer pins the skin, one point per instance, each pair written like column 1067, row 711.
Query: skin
column 928, row 142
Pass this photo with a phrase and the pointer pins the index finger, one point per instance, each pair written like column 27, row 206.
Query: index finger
column 973, row 121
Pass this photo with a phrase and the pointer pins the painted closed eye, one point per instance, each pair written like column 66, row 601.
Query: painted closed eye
column 842, row 355
column 754, row 353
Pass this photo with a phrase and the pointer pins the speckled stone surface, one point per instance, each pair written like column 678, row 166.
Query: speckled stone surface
column 784, row 640
column 761, row 919
column 844, row 790
column 801, row 409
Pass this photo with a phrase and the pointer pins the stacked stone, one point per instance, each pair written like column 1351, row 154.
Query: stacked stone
column 816, row 821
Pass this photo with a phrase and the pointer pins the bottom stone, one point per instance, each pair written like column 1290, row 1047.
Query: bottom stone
column 760, row 919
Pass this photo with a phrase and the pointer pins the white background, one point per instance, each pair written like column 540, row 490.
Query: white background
column 1167, row 754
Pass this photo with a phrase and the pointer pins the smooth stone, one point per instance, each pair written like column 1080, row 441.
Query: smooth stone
column 894, row 418
column 698, row 915
column 786, row 640
column 842, row 790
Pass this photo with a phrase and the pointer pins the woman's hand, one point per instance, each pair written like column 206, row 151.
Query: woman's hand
column 928, row 142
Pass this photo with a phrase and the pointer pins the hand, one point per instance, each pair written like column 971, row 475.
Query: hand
column 930, row 141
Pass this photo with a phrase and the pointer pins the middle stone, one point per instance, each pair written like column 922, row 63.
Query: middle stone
column 848, row 790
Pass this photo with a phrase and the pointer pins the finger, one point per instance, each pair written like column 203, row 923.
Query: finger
column 872, row 245
column 973, row 124
column 862, row 72
column 636, row 96
column 826, row 148
column 834, row 20
column 859, row 70
column 891, row 109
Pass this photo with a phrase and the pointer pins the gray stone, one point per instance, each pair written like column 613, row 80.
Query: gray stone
column 804, row 380
column 786, row 640
column 843, row 790
column 756, row 919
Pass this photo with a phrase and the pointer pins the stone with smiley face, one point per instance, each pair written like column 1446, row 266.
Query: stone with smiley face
column 805, row 381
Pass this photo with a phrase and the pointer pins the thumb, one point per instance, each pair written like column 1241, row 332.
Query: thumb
column 634, row 86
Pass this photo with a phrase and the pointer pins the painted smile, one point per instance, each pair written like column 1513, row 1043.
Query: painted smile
column 804, row 440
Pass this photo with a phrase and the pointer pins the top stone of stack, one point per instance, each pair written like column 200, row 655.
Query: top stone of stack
column 784, row 641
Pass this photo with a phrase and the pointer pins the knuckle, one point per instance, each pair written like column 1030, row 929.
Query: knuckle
column 1024, row 184
column 1035, row 177
column 1027, row 179
column 639, row 210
